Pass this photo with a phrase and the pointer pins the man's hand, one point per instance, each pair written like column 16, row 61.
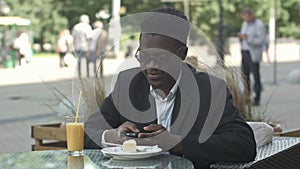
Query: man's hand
column 239, row 35
column 158, row 135
column 153, row 129
column 242, row 36
column 127, row 127
column 114, row 135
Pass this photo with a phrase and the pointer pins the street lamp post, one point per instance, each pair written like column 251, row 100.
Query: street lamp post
column 220, row 43
column 220, row 32
column 187, row 8
column 115, row 25
column 275, row 44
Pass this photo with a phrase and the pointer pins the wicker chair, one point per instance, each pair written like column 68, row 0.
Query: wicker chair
column 281, row 153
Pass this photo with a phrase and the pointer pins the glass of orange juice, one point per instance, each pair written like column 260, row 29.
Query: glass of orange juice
column 75, row 135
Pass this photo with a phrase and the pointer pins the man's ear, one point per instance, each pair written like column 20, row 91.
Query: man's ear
column 183, row 52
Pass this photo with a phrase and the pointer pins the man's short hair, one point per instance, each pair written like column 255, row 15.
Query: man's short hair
column 84, row 18
column 168, row 22
column 247, row 11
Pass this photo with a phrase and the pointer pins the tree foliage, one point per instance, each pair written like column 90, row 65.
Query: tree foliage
column 289, row 20
column 46, row 21
column 48, row 17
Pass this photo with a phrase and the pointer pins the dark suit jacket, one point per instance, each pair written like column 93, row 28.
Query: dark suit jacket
column 201, row 101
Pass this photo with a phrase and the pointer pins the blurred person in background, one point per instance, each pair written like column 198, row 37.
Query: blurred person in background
column 81, row 32
column 130, row 46
column 252, row 38
column 64, row 47
column 69, row 58
column 70, row 40
column 97, row 46
column 101, row 44
column 266, row 48
column 61, row 48
column 23, row 48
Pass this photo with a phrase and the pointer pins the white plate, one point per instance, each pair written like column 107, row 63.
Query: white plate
column 143, row 152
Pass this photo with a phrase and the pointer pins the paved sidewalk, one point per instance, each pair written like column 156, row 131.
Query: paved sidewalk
column 283, row 97
column 23, row 96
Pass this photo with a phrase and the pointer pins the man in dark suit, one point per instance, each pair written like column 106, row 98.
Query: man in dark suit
column 166, row 102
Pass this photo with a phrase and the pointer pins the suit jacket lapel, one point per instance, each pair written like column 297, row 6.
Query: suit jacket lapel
column 141, row 98
column 176, row 108
column 183, row 102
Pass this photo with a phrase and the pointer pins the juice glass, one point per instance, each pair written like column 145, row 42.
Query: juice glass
column 75, row 135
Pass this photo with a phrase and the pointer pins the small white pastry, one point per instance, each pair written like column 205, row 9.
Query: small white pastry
column 129, row 146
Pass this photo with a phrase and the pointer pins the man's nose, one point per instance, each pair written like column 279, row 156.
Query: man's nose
column 152, row 64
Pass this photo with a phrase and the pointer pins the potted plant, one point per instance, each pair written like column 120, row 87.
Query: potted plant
column 241, row 95
column 92, row 95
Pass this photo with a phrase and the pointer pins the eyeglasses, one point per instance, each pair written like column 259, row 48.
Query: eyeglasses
column 159, row 57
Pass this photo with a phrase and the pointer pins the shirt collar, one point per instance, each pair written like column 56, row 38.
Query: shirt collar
column 172, row 91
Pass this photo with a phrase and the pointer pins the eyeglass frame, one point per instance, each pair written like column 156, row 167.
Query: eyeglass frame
column 139, row 60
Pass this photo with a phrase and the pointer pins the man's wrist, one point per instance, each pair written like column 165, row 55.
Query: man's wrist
column 178, row 148
column 171, row 143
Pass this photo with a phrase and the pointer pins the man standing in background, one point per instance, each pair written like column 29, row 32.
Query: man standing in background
column 252, row 37
column 99, row 42
column 80, row 32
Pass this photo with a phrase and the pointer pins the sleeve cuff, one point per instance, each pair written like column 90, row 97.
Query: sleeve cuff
column 103, row 145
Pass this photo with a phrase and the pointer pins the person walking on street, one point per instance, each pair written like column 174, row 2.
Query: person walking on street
column 80, row 32
column 101, row 44
column 64, row 47
column 23, row 47
column 61, row 48
column 98, row 41
column 266, row 48
column 252, row 37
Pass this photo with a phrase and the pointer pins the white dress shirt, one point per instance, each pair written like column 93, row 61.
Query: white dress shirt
column 246, row 28
column 165, row 105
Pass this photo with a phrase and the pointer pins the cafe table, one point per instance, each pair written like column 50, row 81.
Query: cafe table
column 92, row 159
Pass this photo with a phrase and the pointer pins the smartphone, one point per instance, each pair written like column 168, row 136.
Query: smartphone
column 130, row 134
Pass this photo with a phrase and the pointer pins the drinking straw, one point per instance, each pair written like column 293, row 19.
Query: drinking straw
column 78, row 105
